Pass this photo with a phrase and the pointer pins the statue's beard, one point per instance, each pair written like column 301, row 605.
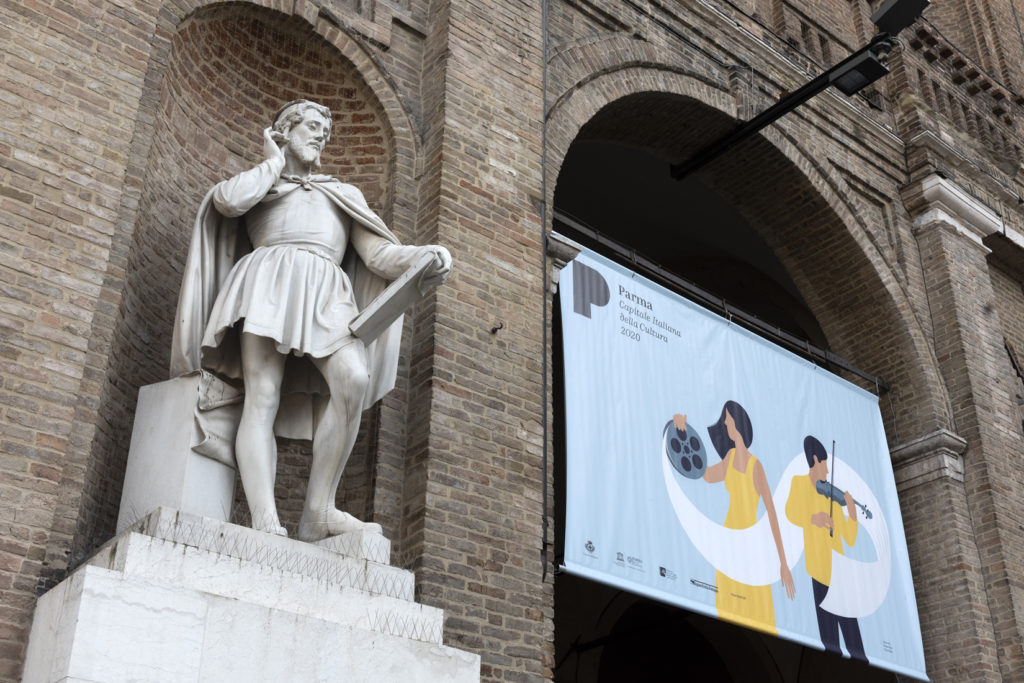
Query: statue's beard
column 309, row 155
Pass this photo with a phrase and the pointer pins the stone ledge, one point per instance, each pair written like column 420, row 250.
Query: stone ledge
column 101, row 625
column 357, row 559
column 930, row 457
column 937, row 200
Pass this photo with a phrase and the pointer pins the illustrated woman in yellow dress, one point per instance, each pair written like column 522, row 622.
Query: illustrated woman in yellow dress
column 747, row 485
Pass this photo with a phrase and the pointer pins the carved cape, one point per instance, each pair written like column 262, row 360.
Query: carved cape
column 218, row 242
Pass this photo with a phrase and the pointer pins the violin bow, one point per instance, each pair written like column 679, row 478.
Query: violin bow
column 831, row 483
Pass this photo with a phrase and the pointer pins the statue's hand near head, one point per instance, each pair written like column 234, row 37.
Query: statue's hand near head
column 272, row 140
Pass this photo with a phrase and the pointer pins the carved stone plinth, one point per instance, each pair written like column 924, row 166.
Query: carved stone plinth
column 162, row 469
column 183, row 598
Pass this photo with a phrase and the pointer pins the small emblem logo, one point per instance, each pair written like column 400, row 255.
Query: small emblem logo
column 588, row 288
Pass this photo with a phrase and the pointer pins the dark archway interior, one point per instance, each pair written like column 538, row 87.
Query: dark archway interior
column 605, row 635
column 619, row 636
column 625, row 192
column 615, row 180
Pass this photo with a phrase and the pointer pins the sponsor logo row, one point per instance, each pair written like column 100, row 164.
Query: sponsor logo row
column 629, row 561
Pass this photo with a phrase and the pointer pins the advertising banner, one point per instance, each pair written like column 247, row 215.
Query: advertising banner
column 711, row 469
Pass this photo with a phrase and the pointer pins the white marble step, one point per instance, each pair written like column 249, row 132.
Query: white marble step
column 235, row 562
column 341, row 601
column 356, row 559
column 104, row 625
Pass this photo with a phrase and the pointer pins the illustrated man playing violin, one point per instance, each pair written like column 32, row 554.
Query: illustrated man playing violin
column 825, row 530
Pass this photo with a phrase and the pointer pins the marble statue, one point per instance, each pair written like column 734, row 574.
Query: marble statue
column 280, row 263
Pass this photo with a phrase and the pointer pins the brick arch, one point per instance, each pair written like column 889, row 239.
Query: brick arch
column 185, row 139
column 850, row 283
column 407, row 143
column 578, row 105
column 868, row 311
column 575, row 64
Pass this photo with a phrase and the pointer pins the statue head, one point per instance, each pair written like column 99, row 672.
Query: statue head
column 298, row 112
column 293, row 112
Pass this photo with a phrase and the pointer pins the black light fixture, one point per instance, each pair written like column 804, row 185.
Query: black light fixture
column 862, row 69
column 850, row 76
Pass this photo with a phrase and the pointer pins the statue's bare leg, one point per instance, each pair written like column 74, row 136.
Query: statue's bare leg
column 336, row 431
column 255, row 446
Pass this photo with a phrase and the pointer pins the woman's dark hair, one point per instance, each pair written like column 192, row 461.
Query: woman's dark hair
column 814, row 451
column 720, row 437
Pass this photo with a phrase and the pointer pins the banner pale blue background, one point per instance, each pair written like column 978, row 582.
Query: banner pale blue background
column 622, row 385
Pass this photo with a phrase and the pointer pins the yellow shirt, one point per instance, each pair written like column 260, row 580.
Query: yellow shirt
column 804, row 501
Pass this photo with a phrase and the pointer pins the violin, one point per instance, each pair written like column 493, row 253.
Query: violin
column 829, row 491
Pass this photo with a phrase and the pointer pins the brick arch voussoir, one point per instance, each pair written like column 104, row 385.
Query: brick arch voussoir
column 592, row 56
column 912, row 352
column 579, row 104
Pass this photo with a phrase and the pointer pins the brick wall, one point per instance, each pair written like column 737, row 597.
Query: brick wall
column 121, row 115
column 969, row 342
column 68, row 95
column 1009, row 302
column 985, row 30
column 474, row 492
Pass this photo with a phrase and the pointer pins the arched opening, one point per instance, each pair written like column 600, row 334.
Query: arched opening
column 753, row 229
column 626, row 193
column 229, row 68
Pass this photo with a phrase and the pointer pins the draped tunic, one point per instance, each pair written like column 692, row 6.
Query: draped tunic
column 291, row 287
column 292, row 259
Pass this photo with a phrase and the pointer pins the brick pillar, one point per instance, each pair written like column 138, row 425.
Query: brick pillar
column 964, row 524
column 473, row 490
column 951, row 601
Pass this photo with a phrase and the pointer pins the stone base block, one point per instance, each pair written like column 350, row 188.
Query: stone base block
column 182, row 598
column 162, row 468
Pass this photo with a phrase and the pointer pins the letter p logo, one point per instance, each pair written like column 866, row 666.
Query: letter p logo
column 588, row 288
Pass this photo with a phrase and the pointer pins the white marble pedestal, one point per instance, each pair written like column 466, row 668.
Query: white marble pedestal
column 178, row 597
column 162, row 468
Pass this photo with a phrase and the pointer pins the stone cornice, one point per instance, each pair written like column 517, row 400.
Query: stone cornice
column 561, row 249
column 930, row 457
column 935, row 199
column 950, row 146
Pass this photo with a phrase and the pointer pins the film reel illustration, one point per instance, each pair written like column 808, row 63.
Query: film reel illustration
column 685, row 451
